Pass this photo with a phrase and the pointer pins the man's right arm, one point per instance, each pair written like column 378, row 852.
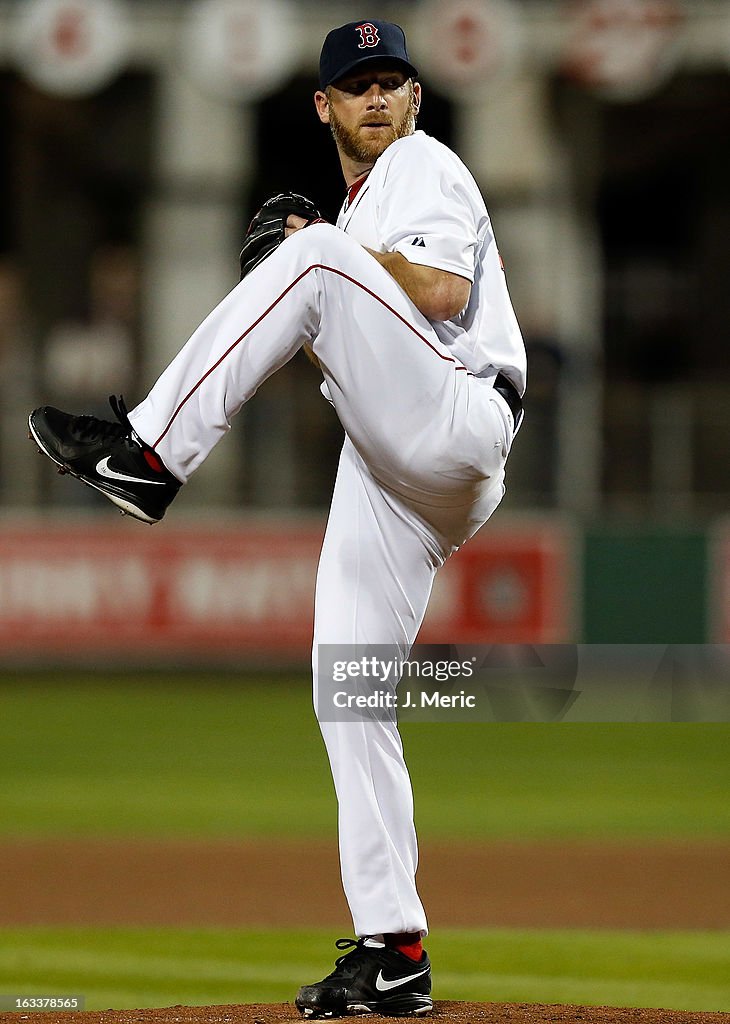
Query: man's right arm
column 438, row 294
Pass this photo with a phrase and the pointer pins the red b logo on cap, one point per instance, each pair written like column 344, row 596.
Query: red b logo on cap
column 368, row 35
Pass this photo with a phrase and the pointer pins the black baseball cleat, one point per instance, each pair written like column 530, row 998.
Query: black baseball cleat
column 107, row 456
column 371, row 978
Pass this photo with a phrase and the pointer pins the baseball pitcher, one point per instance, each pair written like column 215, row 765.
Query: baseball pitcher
column 404, row 305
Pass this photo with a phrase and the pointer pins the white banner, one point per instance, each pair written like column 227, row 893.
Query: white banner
column 468, row 42
column 70, row 47
column 240, row 49
column 623, row 49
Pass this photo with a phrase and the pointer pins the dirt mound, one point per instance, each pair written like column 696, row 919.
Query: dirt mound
column 446, row 1012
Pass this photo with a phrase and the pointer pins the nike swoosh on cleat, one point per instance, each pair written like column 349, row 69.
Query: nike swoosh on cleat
column 382, row 985
column 103, row 469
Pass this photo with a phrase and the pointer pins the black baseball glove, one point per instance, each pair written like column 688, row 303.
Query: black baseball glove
column 266, row 231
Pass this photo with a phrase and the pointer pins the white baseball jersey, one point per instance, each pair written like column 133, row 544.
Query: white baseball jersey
column 421, row 201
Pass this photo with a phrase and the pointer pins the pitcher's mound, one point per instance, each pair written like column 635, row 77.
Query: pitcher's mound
column 446, row 1012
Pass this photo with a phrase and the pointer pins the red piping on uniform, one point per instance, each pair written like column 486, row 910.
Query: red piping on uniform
column 354, row 189
column 315, row 266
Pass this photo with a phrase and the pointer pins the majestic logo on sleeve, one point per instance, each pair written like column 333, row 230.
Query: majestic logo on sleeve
column 368, row 35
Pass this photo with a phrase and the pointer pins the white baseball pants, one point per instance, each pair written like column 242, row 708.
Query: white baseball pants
column 421, row 469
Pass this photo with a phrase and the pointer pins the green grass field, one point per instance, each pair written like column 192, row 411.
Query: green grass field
column 220, row 756
column 166, row 755
column 164, row 967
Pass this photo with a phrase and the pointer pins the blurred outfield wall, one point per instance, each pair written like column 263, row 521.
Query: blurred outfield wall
column 241, row 590
column 138, row 145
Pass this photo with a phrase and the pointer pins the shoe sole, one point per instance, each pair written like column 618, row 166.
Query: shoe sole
column 125, row 506
column 396, row 1006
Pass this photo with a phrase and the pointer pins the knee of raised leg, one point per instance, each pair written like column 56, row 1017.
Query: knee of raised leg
column 322, row 243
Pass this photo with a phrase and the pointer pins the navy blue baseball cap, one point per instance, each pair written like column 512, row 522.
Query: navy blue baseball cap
column 351, row 45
